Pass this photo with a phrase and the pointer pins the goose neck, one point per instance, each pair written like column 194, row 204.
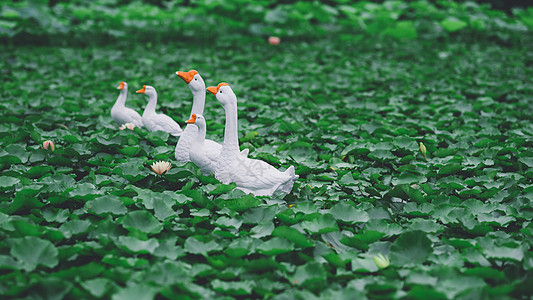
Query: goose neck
column 121, row 100
column 152, row 102
column 231, row 138
column 200, row 138
column 198, row 102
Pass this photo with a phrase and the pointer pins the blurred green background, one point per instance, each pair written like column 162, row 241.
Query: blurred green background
column 106, row 21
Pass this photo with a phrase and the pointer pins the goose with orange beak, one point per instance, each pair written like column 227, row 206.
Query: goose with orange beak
column 204, row 157
column 250, row 175
column 122, row 114
column 197, row 86
column 154, row 121
column 190, row 133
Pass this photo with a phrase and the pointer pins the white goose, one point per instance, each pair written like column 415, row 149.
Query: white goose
column 154, row 121
column 251, row 175
column 197, row 86
column 122, row 114
column 204, row 157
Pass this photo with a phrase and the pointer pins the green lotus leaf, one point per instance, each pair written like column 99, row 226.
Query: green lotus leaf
column 411, row 247
column 195, row 246
column 235, row 288
column 364, row 265
column 107, row 204
column 137, row 246
column 74, row 227
column 143, row 221
column 348, row 214
column 256, row 215
column 309, row 274
column 275, row 246
column 299, row 239
column 97, row 287
column 136, row 292
column 225, row 222
column 262, row 230
column 31, row 252
column 8, row 181
column 320, row 224
column 241, row 247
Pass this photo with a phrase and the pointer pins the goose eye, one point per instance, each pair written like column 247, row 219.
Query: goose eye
column 196, row 79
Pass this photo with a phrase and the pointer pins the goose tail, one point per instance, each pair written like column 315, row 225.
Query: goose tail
column 290, row 171
column 177, row 133
column 286, row 187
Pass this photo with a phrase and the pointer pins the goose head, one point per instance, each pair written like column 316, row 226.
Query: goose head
column 193, row 79
column 197, row 120
column 122, row 86
column 148, row 90
column 224, row 93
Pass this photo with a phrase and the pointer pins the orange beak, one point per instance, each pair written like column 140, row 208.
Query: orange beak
column 121, row 86
column 187, row 76
column 142, row 91
column 214, row 89
column 192, row 120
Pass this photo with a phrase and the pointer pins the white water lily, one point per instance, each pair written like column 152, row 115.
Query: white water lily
column 130, row 126
column 381, row 261
column 161, row 167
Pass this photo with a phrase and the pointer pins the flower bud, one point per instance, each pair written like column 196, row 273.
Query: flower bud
column 423, row 150
column 381, row 261
column 49, row 145
column 274, row 40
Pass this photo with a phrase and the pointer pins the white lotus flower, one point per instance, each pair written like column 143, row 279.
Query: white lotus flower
column 161, row 167
column 127, row 125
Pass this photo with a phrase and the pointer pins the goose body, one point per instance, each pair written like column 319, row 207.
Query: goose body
column 154, row 121
column 122, row 114
column 203, row 154
column 250, row 175
column 185, row 144
column 190, row 134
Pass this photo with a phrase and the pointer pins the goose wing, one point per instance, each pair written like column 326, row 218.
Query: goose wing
column 166, row 123
column 255, row 174
column 133, row 117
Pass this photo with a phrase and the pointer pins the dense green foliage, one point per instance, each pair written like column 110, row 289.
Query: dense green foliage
column 92, row 219
column 105, row 20
column 348, row 110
